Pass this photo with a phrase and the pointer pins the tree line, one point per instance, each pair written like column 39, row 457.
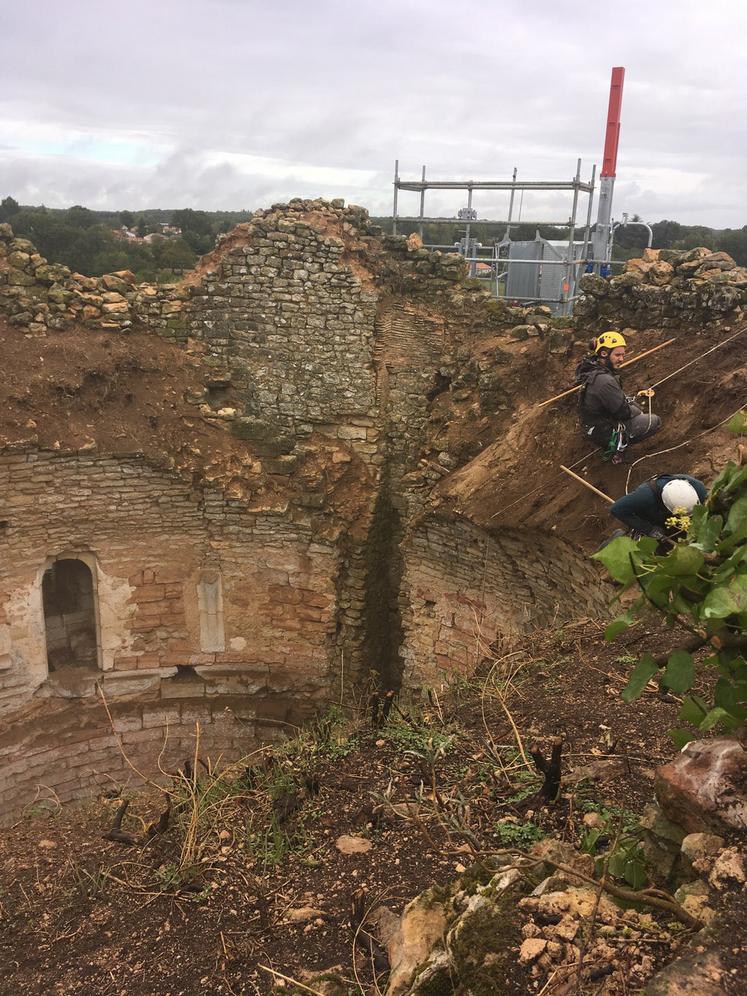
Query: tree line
column 90, row 242
column 85, row 240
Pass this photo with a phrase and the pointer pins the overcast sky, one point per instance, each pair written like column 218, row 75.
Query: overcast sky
column 236, row 104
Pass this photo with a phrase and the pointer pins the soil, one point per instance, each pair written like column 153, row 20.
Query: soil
column 84, row 914
column 124, row 394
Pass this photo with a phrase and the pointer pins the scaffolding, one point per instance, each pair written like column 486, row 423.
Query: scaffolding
column 516, row 266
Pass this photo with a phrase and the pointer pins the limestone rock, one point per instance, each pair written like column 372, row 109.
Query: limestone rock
column 703, row 788
column 348, row 844
column 728, row 869
column 701, row 849
column 421, row 928
column 532, row 948
column 696, row 974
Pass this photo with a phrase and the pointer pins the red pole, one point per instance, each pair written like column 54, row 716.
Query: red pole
column 612, row 137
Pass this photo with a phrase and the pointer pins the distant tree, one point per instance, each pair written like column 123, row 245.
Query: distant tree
column 81, row 217
column 127, row 218
column 142, row 228
column 8, row 207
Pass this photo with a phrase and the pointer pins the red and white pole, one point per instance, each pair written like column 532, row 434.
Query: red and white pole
column 601, row 240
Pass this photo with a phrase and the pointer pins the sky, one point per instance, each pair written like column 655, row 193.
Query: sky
column 238, row 104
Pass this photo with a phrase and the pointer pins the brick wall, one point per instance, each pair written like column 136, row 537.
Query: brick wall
column 313, row 332
column 463, row 590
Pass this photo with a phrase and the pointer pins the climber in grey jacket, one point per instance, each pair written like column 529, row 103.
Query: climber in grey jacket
column 608, row 416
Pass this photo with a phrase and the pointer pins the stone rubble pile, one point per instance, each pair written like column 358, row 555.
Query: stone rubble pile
column 666, row 288
column 509, row 934
column 39, row 295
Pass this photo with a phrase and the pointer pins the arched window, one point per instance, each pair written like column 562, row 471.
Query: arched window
column 69, row 615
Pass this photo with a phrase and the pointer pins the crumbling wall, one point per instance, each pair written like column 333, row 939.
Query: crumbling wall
column 465, row 589
column 264, row 570
column 666, row 289
column 152, row 544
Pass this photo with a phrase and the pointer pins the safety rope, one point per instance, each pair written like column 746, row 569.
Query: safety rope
column 671, row 449
column 690, row 363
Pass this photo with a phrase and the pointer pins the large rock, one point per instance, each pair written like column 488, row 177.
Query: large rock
column 705, row 787
column 421, row 928
column 696, row 974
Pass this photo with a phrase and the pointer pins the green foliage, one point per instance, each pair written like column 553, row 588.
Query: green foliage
column 700, row 583
column 521, row 835
column 85, row 240
column 420, row 741
column 616, row 842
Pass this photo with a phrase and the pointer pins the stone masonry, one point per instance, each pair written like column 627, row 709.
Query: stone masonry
column 221, row 602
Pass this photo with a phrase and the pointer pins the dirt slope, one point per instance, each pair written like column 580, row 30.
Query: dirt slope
column 516, row 480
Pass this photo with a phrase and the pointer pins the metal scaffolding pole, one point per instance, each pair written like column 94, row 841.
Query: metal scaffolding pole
column 422, row 208
column 587, row 230
column 396, row 189
column 511, row 202
column 568, row 288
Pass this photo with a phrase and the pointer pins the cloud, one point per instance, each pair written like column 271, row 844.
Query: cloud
column 236, row 103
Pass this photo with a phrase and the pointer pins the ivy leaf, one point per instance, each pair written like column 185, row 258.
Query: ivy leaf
column 644, row 670
column 618, row 626
column 737, row 517
column 693, row 711
column 616, row 558
column 706, row 529
column 680, row 672
column 681, row 737
column 616, row 864
column 635, row 873
column 738, row 423
column 713, row 717
column 726, row 600
column 683, row 561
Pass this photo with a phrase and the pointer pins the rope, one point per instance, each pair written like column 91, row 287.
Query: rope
column 686, row 365
column 671, row 449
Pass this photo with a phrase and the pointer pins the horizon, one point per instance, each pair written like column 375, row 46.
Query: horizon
column 219, row 104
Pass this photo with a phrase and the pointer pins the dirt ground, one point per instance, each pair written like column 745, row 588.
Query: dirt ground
column 255, row 883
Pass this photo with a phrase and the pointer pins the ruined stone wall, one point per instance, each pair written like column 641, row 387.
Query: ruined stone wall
column 666, row 289
column 153, row 546
column 70, row 750
column 318, row 341
column 463, row 590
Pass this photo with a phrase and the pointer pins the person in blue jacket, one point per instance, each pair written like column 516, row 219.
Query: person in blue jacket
column 647, row 509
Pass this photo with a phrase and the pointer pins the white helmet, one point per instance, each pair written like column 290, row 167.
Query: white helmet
column 680, row 495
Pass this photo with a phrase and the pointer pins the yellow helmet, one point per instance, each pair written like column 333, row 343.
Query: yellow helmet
column 609, row 340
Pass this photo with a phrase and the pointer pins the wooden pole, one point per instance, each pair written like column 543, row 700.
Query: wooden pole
column 635, row 359
column 587, row 485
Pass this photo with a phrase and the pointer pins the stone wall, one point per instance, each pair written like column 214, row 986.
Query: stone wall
column 666, row 289
column 320, row 345
column 153, row 545
column 463, row 590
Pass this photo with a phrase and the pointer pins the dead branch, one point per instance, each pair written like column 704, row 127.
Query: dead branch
column 550, row 768
column 116, row 833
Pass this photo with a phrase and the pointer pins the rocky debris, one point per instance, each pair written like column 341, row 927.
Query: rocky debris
column 667, row 289
column 499, row 935
column 421, row 927
column 700, row 849
column 695, row 974
column 728, row 869
column 704, row 789
column 347, row 844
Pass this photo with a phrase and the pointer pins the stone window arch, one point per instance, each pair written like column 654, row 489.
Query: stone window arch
column 70, row 609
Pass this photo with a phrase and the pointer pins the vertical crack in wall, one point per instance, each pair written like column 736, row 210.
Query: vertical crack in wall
column 382, row 619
